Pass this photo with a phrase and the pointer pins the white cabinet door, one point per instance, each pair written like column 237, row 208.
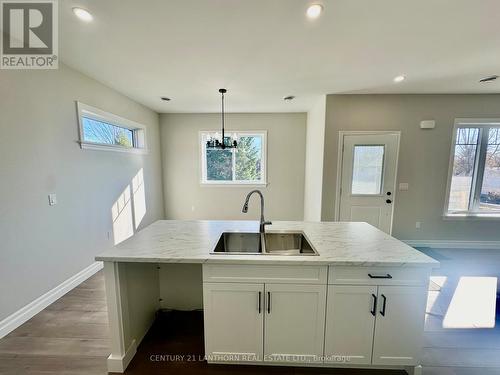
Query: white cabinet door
column 234, row 317
column 350, row 321
column 399, row 325
column 295, row 322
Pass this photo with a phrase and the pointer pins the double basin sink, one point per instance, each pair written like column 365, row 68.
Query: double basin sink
column 277, row 243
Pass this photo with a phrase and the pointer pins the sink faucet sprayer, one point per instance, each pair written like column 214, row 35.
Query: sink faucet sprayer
column 263, row 223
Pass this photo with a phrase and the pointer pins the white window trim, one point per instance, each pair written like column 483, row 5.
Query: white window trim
column 203, row 163
column 481, row 123
column 139, row 130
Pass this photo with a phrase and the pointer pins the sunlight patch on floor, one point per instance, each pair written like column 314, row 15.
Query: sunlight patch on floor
column 473, row 304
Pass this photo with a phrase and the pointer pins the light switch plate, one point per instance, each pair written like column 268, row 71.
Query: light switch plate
column 404, row 186
column 52, row 199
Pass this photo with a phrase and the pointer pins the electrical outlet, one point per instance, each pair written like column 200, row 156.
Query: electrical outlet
column 52, row 199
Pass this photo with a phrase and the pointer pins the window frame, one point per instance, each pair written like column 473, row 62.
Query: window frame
column 483, row 124
column 139, row 138
column 239, row 134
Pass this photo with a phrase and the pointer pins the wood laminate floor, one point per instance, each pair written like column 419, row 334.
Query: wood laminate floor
column 71, row 336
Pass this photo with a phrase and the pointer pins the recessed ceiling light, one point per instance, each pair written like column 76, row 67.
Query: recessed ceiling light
column 488, row 79
column 289, row 98
column 83, row 14
column 314, row 11
column 165, row 98
column 399, row 78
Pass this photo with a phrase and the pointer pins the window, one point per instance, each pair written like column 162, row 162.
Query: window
column 367, row 169
column 105, row 131
column 474, row 177
column 244, row 165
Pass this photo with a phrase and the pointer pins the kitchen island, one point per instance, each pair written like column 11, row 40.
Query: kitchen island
column 359, row 303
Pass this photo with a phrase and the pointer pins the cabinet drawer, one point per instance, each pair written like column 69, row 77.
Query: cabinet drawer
column 264, row 274
column 416, row 276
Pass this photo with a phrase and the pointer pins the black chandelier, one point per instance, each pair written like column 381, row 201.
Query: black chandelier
column 224, row 142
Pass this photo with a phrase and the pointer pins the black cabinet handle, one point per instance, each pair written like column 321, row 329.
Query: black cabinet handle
column 269, row 302
column 374, row 306
column 386, row 276
column 260, row 298
column 389, row 193
column 388, row 201
column 382, row 312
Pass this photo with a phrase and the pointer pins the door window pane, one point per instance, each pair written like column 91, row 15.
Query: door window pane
column 463, row 168
column 490, row 190
column 367, row 169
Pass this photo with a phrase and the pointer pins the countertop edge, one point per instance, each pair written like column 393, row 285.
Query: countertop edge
column 290, row 262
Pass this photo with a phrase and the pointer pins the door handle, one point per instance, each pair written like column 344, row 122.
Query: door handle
column 382, row 312
column 374, row 306
column 269, row 302
column 386, row 276
column 259, row 302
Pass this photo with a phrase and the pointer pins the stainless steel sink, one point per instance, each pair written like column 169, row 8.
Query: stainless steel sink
column 288, row 244
column 275, row 243
column 238, row 243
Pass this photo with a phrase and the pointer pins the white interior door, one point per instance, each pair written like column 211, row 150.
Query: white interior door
column 234, row 321
column 295, row 322
column 368, row 178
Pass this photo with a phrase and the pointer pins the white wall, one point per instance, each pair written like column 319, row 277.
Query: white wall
column 315, row 142
column 186, row 198
column 41, row 246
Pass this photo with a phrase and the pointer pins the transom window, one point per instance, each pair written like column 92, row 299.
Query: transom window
column 474, row 177
column 245, row 164
column 105, row 131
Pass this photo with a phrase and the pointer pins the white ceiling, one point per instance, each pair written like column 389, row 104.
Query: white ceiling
column 263, row 50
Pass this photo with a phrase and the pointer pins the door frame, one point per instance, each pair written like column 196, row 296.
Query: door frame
column 340, row 159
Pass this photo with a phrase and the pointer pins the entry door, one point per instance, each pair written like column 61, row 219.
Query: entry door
column 369, row 164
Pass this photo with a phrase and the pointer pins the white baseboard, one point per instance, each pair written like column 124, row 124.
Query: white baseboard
column 119, row 364
column 14, row 320
column 438, row 244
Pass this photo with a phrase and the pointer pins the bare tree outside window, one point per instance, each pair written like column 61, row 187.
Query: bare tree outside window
column 475, row 179
column 463, row 168
column 101, row 132
column 490, row 188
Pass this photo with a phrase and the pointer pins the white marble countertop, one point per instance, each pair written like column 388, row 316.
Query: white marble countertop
column 338, row 243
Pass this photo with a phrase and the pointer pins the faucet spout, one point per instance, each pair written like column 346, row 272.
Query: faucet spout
column 263, row 223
